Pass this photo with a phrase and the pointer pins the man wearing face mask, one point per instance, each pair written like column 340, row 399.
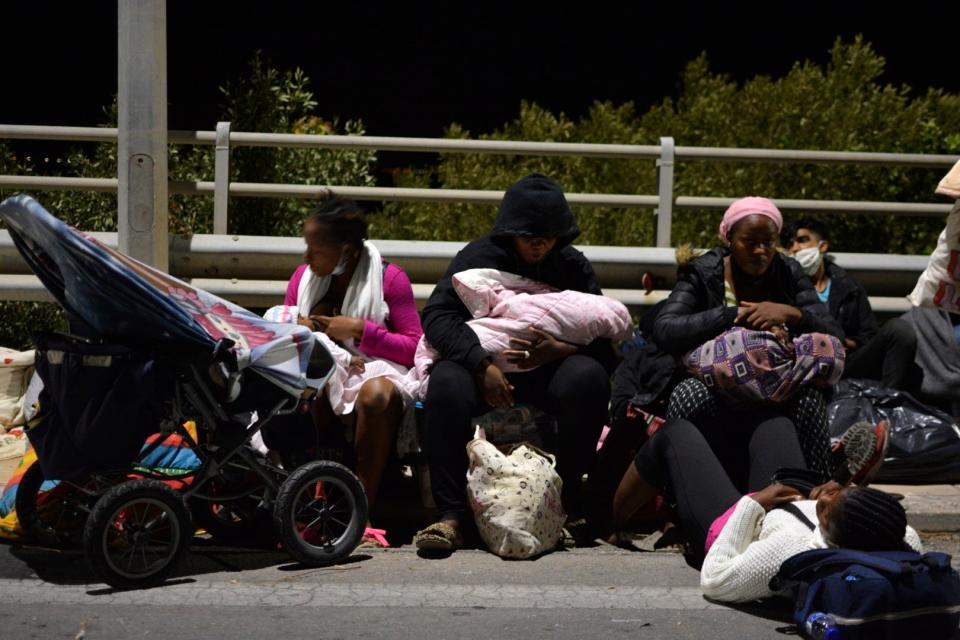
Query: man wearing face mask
column 884, row 354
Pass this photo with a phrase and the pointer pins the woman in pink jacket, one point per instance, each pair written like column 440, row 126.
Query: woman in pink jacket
column 345, row 290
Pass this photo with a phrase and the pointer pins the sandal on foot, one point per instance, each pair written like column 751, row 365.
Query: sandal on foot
column 438, row 537
column 374, row 539
column 860, row 452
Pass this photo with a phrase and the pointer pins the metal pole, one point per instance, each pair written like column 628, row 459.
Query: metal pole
column 221, row 178
column 664, row 209
column 142, row 130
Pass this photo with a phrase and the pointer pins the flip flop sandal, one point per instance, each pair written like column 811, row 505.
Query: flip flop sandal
column 438, row 537
column 374, row 539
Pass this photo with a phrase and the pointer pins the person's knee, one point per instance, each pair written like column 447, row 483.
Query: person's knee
column 581, row 379
column 901, row 332
column 377, row 396
column 449, row 383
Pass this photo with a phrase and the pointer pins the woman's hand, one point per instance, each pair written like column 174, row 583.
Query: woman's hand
column 339, row 327
column 541, row 348
column 775, row 495
column 766, row 315
column 497, row 390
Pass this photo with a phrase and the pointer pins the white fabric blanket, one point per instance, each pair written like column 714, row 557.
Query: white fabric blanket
column 505, row 306
column 344, row 384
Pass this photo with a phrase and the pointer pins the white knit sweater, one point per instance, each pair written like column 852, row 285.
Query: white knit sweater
column 752, row 546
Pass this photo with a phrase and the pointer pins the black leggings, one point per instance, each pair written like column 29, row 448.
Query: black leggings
column 575, row 390
column 693, row 401
column 679, row 458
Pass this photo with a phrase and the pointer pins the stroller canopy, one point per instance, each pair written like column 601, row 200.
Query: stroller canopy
column 122, row 299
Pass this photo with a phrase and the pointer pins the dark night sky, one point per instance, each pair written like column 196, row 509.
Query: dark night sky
column 411, row 70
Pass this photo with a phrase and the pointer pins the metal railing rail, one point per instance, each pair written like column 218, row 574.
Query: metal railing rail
column 214, row 260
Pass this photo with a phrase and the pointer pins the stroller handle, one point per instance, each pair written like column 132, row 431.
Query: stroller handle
column 226, row 362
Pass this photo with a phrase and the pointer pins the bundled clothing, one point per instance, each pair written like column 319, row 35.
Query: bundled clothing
column 746, row 365
column 504, row 306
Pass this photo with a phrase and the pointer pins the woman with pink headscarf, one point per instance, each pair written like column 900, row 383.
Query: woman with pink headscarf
column 725, row 303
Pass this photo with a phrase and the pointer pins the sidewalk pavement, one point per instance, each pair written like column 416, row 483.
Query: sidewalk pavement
column 930, row 507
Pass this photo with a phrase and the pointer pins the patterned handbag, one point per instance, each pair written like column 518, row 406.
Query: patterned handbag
column 515, row 499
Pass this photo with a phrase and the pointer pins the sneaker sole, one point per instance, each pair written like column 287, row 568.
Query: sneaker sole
column 864, row 446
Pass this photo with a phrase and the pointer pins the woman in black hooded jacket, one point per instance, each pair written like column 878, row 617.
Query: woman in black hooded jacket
column 531, row 237
column 746, row 283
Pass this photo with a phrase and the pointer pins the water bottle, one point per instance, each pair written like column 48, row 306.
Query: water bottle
column 821, row 626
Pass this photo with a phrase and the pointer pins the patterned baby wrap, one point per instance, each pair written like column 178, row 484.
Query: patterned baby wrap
column 744, row 365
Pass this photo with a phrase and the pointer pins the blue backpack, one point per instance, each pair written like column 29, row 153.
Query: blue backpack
column 876, row 595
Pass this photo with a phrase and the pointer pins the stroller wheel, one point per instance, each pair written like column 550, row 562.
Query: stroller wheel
column 54, row 519
column 320, row 513
column 137, row 533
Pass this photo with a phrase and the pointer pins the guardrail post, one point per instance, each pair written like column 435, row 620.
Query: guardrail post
column 221, row 178
column 664, row 210
column 142, row 207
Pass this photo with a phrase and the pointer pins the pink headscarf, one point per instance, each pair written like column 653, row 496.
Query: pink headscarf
column 749, row 206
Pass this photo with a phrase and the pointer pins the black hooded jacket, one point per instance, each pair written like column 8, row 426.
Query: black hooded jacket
column 444, row 316
column 695, row 312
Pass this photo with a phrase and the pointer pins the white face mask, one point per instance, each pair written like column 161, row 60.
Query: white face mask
column 341, row 265
column 810, row 259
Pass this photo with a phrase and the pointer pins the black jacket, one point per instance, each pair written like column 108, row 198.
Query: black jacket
column 444, row 316
column 694, row 312
column 848, row 303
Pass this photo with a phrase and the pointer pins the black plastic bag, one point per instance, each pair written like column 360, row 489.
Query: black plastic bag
column 924, row 441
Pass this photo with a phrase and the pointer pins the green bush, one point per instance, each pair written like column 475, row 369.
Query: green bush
column 840, row 106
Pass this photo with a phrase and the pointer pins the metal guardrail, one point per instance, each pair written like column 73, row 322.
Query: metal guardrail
column 666, row 154
column 253, row 270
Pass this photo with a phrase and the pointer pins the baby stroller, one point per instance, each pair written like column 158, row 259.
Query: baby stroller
column 154, row 370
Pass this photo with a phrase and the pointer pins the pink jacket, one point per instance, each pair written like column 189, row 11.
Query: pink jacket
column 398, row 340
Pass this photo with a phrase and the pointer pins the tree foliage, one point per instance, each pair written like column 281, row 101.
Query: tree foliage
column 265, row 100
column 842, row 105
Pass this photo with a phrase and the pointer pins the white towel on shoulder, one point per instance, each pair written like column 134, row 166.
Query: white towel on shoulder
column 364, row 296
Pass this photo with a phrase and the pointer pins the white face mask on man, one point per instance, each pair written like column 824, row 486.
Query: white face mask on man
column 810, row 259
